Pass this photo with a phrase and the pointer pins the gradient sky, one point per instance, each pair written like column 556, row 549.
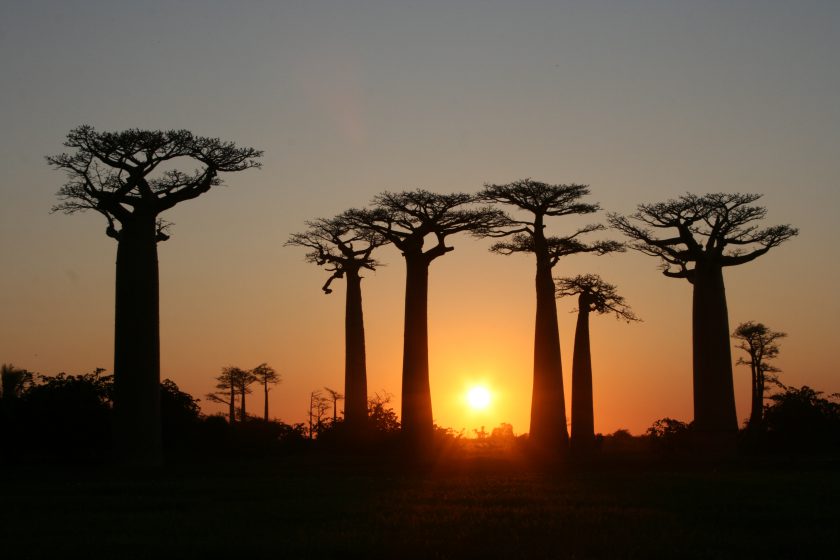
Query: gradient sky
column 642, row 100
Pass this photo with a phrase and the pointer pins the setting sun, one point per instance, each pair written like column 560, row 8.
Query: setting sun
column 478, row 397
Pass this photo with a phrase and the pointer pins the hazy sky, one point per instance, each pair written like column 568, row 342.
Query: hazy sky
column 642, row 100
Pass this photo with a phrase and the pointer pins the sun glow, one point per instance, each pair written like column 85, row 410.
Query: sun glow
column 478, row 397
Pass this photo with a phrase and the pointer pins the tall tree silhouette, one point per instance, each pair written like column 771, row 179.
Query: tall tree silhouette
column 345, row 251
column 231, row 383
column 266, row 375
column 702, row 235
column 759, row 342
column 527, row 235
column 407, row 219
column 130, row 178
column 594, row 296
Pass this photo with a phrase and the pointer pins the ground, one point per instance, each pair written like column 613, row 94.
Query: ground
column 327, row 505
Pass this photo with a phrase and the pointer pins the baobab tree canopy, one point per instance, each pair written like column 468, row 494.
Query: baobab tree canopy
column 717, row 227
column 598, row 296
column 120, row 174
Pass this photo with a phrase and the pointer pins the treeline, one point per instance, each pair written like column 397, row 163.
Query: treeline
column 69, row 418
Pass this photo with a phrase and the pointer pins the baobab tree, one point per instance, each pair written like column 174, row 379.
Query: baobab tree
column 266, row 375
column 345, row 251
column 760, row 344
column 334, row 396
column 230, row 384
column 130, row 178
column 594, row 296
column 408, row 219
column 701, row 235
column 527, row 235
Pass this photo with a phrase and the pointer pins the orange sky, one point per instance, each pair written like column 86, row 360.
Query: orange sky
column 642, row 102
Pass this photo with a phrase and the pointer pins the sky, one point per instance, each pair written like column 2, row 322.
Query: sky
column 642, row 100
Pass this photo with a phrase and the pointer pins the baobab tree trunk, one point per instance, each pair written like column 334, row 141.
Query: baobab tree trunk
column 265, row 394
column 548, row 406
column 757, row 397
column 232, row 408
column 355, row 369
column 715, row 419
column 417, row 423
column 583, row 416
column 137, row 422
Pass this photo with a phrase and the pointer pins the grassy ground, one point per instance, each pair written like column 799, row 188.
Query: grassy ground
column 457, row 507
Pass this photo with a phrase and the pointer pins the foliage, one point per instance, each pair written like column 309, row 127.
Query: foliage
column 381, row 416
column 669, row 435
column 718, row 227
column 802, row 420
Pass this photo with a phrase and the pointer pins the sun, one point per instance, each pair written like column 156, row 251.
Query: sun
column 478, row 397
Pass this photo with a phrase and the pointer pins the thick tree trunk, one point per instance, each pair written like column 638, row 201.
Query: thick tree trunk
column 355, row 369
column 548, row 407
column 137, row 422
column 715, row 419
column 417, row 426
column 583, row 416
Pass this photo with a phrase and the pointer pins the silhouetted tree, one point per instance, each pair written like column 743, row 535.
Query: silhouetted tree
column 232, row 382
column 802, row 420
column 382, row 417
column 345, row 251
column 527, row 235
column 705, row 234
column 407, row 219
column 13, row 381
column 318, row 406
column 129, row 178
column 243, row 378
column 594, row 296
column 265, row 375
column 759, row 342
column 334, row 396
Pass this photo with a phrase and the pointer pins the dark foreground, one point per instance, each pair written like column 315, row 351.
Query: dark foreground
column 465, row 507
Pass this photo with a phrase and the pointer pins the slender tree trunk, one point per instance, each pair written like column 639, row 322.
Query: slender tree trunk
column 715, row 419
column 548, row 406
column 265, row 389
column 417, row 424
column 232, row 405
column 137, row 422
column 355, row 369
column 583, row 416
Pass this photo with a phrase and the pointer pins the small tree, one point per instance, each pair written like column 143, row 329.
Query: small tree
column 334, row 397
column 703, row 235
column 527, row 235
column 759, row 342
column 130, row 178
column 265, row 375
column 594, row 296
column 318, row 406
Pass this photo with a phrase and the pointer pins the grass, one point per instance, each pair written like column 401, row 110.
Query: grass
column 324, row 506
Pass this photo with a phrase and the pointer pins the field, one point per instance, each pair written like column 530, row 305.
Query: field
column 325, row 506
